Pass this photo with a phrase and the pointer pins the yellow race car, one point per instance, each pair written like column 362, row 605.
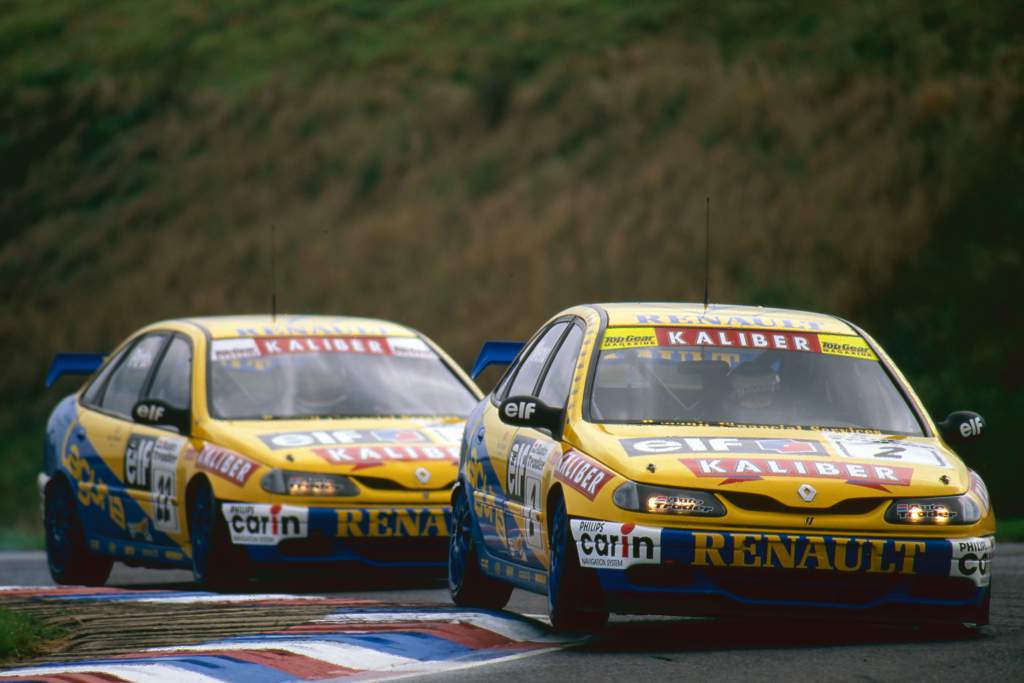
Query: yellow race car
column 229, row 443
column 672, row 459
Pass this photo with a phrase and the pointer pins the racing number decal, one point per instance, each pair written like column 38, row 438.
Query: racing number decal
column 873, row 447
column 151, row 464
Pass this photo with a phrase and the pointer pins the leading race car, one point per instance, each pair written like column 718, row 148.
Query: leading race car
column 225, row 444
column 669, row 459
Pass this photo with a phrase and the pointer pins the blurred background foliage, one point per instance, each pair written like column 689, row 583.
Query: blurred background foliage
column 470, row 168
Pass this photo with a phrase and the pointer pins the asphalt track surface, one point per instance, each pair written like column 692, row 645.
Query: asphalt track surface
column 650, row 648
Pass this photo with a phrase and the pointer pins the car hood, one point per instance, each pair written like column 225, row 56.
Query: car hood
column 411, row 453
column 776, row 462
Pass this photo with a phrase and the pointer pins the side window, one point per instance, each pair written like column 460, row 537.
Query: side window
column 125, row 384
column 173, row 380
column 529, row 369
column 555, row 389
column 92, row 394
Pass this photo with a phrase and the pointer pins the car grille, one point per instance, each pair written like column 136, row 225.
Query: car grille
column 755, row 502
column 382, row 484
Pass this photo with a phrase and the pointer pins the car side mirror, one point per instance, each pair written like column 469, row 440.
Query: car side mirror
column 162, row 414
column 962, row 426
column 527, row 411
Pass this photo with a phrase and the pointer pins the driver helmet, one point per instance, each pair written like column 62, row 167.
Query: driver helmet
column 754, row 385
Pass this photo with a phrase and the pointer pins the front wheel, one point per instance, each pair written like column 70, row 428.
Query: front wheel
column 216, row 563
column 470, row 587
column 574, row 593
column 69, row 560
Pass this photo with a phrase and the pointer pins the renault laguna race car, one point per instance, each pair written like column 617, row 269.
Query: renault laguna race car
column 669, row 459
column 225, row 444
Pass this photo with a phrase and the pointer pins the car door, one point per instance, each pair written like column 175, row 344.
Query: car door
column 171, row 383
column 503, row 537
column 115, row 464
column 533, row 449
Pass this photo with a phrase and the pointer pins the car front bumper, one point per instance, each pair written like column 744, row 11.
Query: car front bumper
column 646, row 569
column 378, row 536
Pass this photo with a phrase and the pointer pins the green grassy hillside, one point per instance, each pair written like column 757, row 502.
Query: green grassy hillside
column 470, row 168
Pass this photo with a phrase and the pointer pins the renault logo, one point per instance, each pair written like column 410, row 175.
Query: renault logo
column 422, row 474
column 806, row 492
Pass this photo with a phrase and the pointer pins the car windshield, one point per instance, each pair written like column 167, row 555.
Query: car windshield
column 739, row 377
column 308, row 377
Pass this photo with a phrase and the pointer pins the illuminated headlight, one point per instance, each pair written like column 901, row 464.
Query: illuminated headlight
column 945, row 510
column 661, row 500
column 308, row 484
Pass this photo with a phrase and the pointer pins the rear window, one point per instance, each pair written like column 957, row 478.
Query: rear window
column 729, row 376
column 339, row 376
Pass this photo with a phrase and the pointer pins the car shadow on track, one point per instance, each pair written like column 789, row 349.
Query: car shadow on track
column 687, row 635
column 335, row 580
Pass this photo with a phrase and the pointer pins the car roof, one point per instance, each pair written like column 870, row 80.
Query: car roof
column 722, row 315
column 229, row 326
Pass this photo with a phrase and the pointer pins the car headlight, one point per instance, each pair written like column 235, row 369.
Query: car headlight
column 944, row 510
column 664, row 500
column 288, row 483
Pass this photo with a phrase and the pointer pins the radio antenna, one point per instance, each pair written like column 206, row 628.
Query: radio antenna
column 707, row 249
column 273, row 274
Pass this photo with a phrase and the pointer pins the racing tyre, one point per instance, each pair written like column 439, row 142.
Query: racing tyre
column 216, row 563
column 574, row 593
column 69, row 559
column 470, row 587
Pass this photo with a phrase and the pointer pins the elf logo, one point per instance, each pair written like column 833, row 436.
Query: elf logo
column 265, row 524
column 523, row 410
column 610, row 545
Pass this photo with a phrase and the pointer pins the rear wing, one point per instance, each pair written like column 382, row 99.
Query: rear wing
column 495, row 353
column 73, row 364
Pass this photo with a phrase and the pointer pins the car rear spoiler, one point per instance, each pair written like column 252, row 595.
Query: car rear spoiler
column 495, row 353
column 73, row 364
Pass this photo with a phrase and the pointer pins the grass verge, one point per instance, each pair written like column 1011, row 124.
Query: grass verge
column 23, row 636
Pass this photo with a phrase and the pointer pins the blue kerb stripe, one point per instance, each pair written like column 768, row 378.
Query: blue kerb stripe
column 128, row 596
column 216, row 666
column 418, row 646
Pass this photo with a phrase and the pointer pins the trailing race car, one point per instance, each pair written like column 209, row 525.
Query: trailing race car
column 669, row 459
column 222, row 444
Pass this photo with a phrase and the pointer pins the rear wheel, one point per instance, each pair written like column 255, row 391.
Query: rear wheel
column 574, row 593
column 69, row 560
column 216, row 563
column 468, row 585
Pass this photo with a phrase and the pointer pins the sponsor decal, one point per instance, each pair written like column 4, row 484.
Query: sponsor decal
column 782, row 551
column 526, row 461
column 733, row 470
column 262, row 347
column 710, row 444
column 582, row 474
column 749, row 339
column 140, row 530
column 611, row 545
column 262, row 524
column 342, row 437
column 373, row 456
column 275, row 346
column 871, row 447
column 227, row 465
column 628, row 337
column 392, row 522
column 138, row 461
column 845, row 345
column 727, row 321
column 91, row 490
column 972, row 559
column 151, row 464
column 447, row 433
